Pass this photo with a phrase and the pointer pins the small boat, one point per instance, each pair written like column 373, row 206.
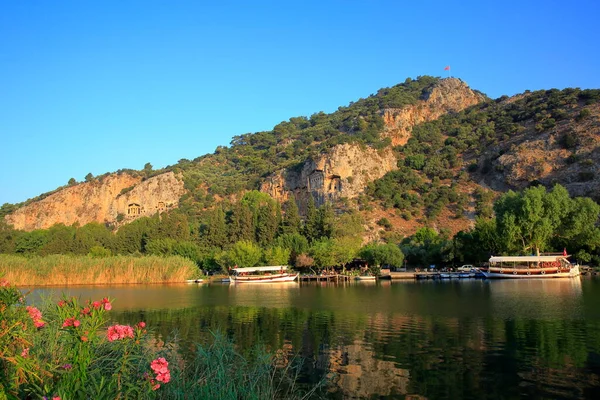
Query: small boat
column 445, row 275
column 269, row 274
column 195, row 281
column 225, row 280
column 365, row 278
column 528, row 267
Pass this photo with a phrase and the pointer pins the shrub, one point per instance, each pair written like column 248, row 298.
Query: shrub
column 385, row 223
column 69, row 351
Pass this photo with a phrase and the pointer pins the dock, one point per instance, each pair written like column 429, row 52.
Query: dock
column 401, row 275
column 324, row 278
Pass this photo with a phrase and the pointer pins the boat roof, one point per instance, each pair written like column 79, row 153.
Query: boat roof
column 526, row 258
column 255, row 269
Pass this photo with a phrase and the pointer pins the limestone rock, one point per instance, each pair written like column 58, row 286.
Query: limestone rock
column 101, row 201
column 342, row 172
column 448, row 95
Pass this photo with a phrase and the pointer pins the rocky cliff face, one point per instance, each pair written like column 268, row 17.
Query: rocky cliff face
column 542, row 157
column 449, row 95
column 113, row 199
column 343, row 172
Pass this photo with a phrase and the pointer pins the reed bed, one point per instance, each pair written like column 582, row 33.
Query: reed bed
column 78, row 270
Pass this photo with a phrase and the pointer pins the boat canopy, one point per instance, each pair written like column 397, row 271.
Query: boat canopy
column 261, row 269
column 496, row 259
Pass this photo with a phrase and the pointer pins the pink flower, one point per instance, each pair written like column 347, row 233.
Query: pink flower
column 107, row 305
column 25, row 352
column 154, row 385
column 160, row 366
column 56, row 398
column 4, row 282
column 62, row 303
column 71, row 321
column 96, row 304
column 141, row 324
column 86, row 311
column 36, row 316
column 117, row 332
column 84, row 338
column 164, row 378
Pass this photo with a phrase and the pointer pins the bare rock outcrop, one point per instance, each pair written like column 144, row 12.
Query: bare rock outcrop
column 343, row 172
column 112, row 199
column 448, row 95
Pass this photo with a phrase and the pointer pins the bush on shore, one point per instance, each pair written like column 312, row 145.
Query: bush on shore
column 68, row 350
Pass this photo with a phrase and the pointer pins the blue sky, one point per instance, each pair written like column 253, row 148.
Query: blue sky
column 99, row 86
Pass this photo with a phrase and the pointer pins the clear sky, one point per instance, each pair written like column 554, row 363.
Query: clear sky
column 95, row 86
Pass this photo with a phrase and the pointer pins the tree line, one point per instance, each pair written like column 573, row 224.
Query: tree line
column 258, row 230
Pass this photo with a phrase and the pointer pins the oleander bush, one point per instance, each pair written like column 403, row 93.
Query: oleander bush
column 69, row 350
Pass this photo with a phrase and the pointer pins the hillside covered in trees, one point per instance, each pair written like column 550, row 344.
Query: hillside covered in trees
column 442, row 203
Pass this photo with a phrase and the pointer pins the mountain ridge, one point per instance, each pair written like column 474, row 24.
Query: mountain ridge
column 437, row 133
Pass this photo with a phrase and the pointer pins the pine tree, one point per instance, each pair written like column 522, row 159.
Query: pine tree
column 326, row 220
column 266, row 224
column 311, row 224
column 291, row 219
column 214, row 233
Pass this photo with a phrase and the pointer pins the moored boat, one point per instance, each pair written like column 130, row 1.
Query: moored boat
column 268, row 274
column 527, row 267
column 365, row 278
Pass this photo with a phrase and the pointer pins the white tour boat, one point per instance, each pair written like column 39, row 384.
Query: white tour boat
column 526, row 267
column 262, row 275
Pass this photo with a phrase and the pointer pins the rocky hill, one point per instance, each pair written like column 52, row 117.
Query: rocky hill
column 115, row 199
column 415, row 154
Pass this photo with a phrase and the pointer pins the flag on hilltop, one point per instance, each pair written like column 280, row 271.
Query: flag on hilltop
column 447, row 68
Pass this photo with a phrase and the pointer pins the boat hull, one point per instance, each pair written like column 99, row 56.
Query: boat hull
column 365, row 278
column 522, row 273
column 263, row 278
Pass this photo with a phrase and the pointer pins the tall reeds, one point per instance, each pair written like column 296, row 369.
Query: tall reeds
column 80, row 270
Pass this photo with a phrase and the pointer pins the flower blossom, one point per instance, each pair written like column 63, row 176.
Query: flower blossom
column 117, row 332
column 86, row 311
column 36, row 316
column 141, row 325
column 106, row 303
column 25, row 352
column 71, row 321
column 96, row 304
column 160, row 366
column 4, row 282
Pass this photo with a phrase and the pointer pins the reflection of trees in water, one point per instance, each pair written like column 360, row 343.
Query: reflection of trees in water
column 390, row 354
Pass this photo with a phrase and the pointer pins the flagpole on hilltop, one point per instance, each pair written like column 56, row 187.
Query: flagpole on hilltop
column 447, row 68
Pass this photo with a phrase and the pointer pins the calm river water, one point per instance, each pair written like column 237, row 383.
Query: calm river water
column 472, row 339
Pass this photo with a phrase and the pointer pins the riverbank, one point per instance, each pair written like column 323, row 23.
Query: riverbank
column 85, row 270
